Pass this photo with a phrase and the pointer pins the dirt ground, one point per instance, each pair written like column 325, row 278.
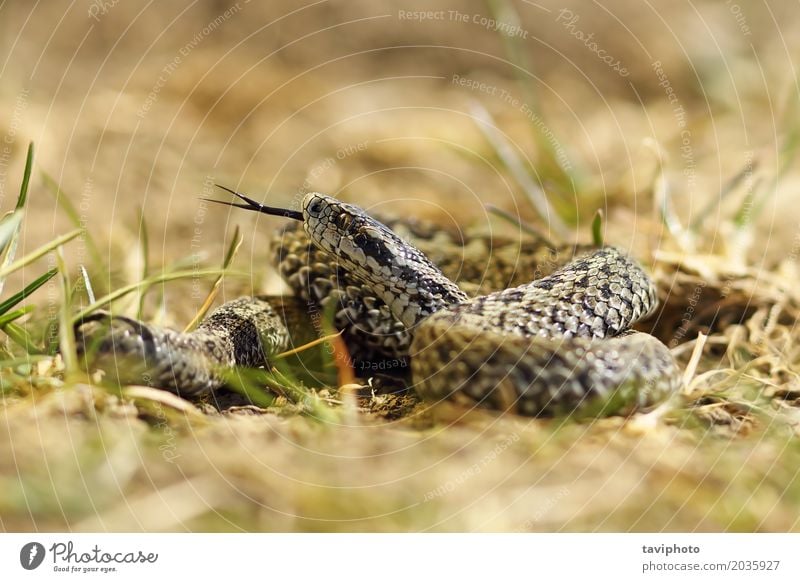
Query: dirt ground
column 680, row 122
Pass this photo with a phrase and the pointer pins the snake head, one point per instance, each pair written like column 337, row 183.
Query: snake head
column 397, row 272
column 400, row 274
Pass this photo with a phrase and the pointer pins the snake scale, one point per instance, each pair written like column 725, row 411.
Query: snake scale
column 538, row 338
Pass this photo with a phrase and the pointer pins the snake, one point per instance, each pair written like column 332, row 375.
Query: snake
column 538, row 336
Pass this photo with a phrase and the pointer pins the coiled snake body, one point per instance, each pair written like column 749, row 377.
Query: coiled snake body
column 559, row 344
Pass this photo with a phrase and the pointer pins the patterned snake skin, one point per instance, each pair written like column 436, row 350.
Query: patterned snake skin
column 560, row 344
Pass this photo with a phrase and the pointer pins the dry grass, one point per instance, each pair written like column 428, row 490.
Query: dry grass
column 724, row 455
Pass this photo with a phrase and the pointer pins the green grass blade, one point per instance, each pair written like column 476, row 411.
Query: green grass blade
column 66, row 333
column 9, row 225
column 50, row 336
column 515, row 166
column 727, row 189
column 249, row 383
column 10, row 245
column 28, row 290
column 523, row 226
column 662, row 196
column 144, row 241
column 26, row 178
column 791, row 141
column 14, row 315
column 38, row 253
column 755, row 202
column 233, row 248
column 568, row 178
column 21, row 337
column 295, row 392
column 22, row 361
column 597, row 229
column 155, row 279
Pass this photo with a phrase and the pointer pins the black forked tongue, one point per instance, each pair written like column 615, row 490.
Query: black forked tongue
column 251, row 204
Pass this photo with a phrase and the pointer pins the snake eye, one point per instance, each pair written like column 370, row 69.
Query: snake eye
column 315, row 207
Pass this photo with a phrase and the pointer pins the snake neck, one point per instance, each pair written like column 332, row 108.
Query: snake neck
column 402, row 277
column 413, row 291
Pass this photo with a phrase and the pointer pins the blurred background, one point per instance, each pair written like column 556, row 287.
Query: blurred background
column 403, row 107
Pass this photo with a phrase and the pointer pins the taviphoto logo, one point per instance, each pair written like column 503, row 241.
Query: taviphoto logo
column 31, row 555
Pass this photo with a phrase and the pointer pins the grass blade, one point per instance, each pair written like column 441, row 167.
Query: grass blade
column 567, row 176
column 26, row 178
column 161, row 278
column 511, row 161
column 755, row 202
column 298, row 394
column 306, row 346
column 30, row 288
column 38, row 253
column 215, row 287
column 10, row 245
column 523, row 226
column 14, row 315
column 66, row 333
column 248, row 383
column 21, row 337
column 597, row 229
column 9, row 225
column 727, row 189
column 144, row 239
column 87, row 284
column 662, row 198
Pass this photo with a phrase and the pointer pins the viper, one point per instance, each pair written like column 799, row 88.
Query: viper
column 540, row 335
